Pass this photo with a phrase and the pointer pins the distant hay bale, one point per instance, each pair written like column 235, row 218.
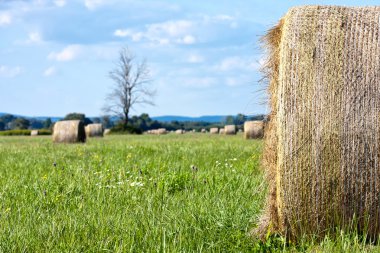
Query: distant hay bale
column 94, row 130
column 69, row 131
column 230, row 130
column 253, row 129
column 159, row 131
column 179, row 131
column 34, row 133
column 221, row 131
column 214, row 130
column 107, row 131
column 203, row 130
column 322, row 142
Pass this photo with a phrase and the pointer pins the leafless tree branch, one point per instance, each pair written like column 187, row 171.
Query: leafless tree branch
column 131, row 86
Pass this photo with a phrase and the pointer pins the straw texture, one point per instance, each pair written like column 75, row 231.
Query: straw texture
column 69, row 131
column 230, row 129
column 94, row 130
column 34, row 133
column 253, row 129
column 179, row 131
column 214, row 130
column 322, row 144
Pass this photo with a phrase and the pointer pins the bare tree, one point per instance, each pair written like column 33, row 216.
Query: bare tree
column 131, row 86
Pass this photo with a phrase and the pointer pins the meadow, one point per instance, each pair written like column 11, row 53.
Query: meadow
column 170, row 193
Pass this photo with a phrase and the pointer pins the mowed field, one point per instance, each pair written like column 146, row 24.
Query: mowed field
column 170, row 193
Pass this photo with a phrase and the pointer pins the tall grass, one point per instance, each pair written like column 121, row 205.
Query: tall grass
column 188, row 193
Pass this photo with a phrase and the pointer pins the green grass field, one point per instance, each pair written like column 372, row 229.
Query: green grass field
column 172, row 193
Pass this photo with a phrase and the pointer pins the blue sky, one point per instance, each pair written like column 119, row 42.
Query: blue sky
column 204, row 56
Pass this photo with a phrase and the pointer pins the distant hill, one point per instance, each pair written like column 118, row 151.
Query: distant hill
column 211, row 118
column 54, row 119
column 166, row 118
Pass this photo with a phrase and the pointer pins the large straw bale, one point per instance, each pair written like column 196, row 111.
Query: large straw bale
column 69, row 131
column 322, row 144
column 34, row 133
column 221, row 131
column 253, row 129
column 229, row 129
column 214, row 130
column 107, row 131
column 203, row 130
column 94, row 130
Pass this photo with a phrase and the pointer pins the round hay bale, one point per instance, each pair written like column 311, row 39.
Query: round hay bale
column 214, row 130
column 160, row 131
column 94, row 130
column 203, row 131
column 69, row 131
column 253, row 129
column 34, row 133
column 179, row 131
column 322, row 142
column 107, row 131
column 221, row 131
column 230, row 130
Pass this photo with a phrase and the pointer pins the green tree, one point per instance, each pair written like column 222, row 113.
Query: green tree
column 7, row 118
column 106, row 121
column 96, row 120
column 229, row 120
column 78, row 116
column 47, row 123
column 20, row 123
column 35, row 123
column 240, row 119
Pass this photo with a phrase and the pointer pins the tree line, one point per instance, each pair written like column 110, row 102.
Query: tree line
column 135, row 125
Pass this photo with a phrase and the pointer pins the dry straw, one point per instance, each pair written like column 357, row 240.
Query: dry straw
column 221, row 131
column 159, row 131
column 94, row 130
column 69, row 131
column 214, row 130
column 322, row 144
column 179, row 131
column 107, row 131
column 230, row 129
column 34, row 133
column 253, row 129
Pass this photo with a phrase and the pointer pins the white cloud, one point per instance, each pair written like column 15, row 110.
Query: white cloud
column 49, row 71
column 178, row 31
column 236, row 63
column 170, row 28
column 224, row 17
column 60, row 3
column 93, row 4
column 6, row 71
column 5, row 19
column 67, row 54
column 195, row 58
column 122, row 33
column 188, row 39
column 136, row 36
column 34, row 38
